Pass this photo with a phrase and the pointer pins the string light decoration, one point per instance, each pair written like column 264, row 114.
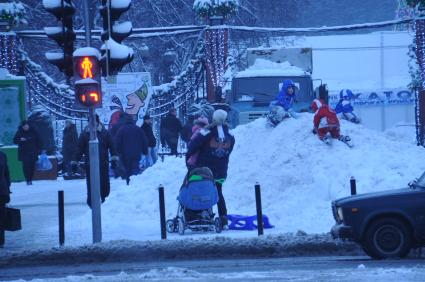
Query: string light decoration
column 9, row 57
column 420, row 85
column 215, row 46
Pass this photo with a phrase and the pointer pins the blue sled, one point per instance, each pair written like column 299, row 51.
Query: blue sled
column 243, row 222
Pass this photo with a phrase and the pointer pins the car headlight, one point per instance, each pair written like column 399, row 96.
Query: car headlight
column 340, row 214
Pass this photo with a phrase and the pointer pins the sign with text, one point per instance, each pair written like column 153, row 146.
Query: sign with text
column 376, row 97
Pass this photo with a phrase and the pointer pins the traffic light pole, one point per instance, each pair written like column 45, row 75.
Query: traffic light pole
column 94, row 178
column 93, row 152
column 87, row 22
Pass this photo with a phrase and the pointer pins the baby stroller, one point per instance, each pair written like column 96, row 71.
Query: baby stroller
column 197, row 197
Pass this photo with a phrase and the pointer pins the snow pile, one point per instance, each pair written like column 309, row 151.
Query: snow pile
column 299, row 176
column 262, row 67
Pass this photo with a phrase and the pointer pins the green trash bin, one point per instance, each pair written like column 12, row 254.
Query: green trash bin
column 15, row 166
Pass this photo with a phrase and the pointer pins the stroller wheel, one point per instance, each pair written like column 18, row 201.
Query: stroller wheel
column 171, row 227
column 180, row 226
column 217, row 225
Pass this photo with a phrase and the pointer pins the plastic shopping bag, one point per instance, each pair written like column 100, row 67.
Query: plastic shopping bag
column 43, row 162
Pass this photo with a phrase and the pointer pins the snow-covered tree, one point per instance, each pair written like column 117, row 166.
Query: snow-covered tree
column 205, row 8
column 13, row 12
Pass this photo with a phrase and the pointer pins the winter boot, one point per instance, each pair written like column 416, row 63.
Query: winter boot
column 325, row 139
column 346, row 139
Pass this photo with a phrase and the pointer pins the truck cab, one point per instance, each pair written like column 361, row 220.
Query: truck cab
column 255, row 87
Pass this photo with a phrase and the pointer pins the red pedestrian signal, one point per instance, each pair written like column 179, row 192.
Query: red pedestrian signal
column 86, row 67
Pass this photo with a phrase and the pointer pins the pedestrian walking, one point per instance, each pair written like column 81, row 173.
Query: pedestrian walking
column 131, row 143
column 106, row 147
column 29, row 147
column 69, row 146
column 170, row 130
column 152, row 155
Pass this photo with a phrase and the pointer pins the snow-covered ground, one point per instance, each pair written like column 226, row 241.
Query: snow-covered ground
column 299, row 176
column 185, row 274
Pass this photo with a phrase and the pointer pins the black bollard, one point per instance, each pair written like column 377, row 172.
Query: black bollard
column 260, row 226
column 61, row 218
column 353, row 186
column 162, row 212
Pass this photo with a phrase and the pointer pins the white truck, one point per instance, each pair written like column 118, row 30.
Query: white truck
column 254, row 88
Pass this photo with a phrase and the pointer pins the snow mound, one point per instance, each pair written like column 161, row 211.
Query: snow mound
column 299, row 177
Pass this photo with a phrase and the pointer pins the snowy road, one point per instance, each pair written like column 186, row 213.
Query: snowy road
column 279, row 269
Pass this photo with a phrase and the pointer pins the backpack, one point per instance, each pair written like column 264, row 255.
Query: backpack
column 220, row 148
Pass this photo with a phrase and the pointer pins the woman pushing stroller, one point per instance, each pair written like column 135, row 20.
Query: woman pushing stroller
column 213, row 146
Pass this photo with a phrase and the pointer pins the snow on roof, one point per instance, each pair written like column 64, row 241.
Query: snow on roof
column 116, row 4
column 122, row 27
column 117, row 51
column 263, row 67
column 53, row 55
column 86, row 51
column 86, row 81
column 49, row 4
column 52, row 30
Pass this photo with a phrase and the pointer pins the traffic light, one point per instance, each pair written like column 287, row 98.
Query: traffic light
column 86, row 64
column 114, row 54
column 87, row 77
column 64, row 35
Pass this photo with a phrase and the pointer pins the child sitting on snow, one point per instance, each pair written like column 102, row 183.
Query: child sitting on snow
column 344, row 109
column 282, row 106
column 199, row 123
column 326, row 123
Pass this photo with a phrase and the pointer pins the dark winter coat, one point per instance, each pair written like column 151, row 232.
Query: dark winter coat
column 147, row 129
column 187, row 131
column 116, row 127
column 4, row 179
column 170, row 128
column 31, row 147
column 106, row 147
column 69, row 142
column 213, row 153
column 131, row 141
column 41, row 122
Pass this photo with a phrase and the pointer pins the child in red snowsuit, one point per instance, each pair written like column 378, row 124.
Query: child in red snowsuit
column 325, row 120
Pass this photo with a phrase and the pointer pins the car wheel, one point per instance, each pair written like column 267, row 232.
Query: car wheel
column 387, row 238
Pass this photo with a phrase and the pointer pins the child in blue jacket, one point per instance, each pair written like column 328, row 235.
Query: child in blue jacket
column 282, row 106
column 344, row 109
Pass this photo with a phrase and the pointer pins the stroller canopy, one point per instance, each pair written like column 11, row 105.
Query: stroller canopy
column 199, row 191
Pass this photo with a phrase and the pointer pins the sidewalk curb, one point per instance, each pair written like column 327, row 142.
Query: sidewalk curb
column 285, row 245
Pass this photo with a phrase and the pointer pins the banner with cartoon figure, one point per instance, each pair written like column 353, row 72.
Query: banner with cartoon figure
column 125, row 92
